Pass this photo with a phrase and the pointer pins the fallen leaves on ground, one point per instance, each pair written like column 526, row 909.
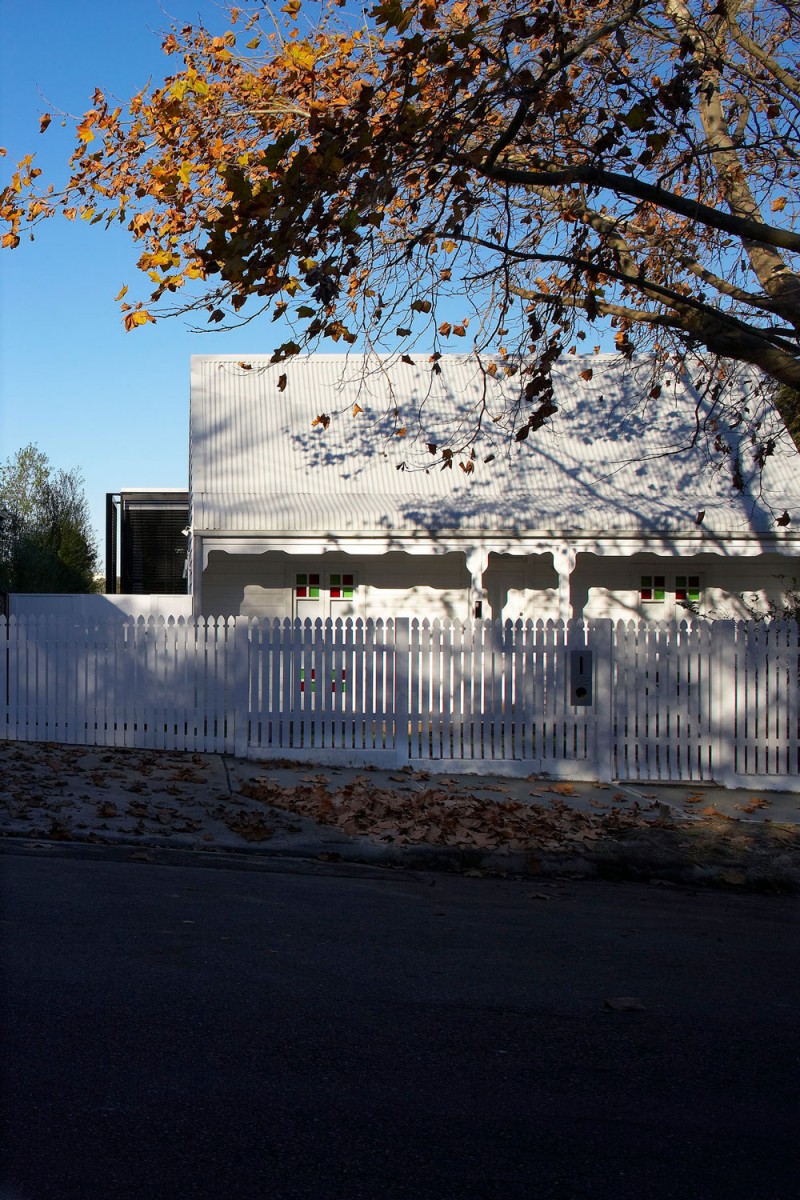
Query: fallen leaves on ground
column 755, row 803
column 251, row 826
column 63, row 793
column 436, row 815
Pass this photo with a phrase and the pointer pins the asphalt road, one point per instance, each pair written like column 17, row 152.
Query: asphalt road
column 182, row 1031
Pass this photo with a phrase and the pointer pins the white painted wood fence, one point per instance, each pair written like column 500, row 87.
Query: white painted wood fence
column 629, row 700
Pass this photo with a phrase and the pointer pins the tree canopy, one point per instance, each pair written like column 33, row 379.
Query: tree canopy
column 456, row 174
column 46, row 543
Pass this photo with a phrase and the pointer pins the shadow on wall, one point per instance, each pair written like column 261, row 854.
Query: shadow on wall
column 96, row 606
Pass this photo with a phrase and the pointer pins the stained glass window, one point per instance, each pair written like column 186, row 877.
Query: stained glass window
column 687, row 588
column 307, row 586
column 653, row 588
column 342, row 587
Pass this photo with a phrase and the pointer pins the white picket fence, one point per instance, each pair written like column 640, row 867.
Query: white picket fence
column 627, row 700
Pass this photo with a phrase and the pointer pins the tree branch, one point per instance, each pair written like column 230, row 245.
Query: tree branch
column 604, row 307
column 626, row 185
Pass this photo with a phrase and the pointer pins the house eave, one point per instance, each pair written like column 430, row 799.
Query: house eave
column 545, row 541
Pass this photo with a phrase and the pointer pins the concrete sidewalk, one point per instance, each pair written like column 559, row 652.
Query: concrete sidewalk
column 151, row 800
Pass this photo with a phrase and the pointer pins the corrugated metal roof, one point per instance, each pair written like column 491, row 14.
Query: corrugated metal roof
column 608, row 462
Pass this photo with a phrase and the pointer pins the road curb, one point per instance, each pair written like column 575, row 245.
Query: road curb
column 610, row 863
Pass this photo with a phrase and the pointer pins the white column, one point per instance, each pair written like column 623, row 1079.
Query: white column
column 477, row 562
column 564, row 562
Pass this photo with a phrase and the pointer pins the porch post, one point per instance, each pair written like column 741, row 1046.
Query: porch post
column 196, row 574
column 477, row 562
column 564, row 558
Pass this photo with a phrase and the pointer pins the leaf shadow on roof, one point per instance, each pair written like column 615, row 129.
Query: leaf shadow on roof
column 609, row 460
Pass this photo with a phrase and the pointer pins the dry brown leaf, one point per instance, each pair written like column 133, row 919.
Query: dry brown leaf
column 756, row 802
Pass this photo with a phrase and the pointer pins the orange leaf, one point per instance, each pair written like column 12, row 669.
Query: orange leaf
column 45, row 121
column 357, row 409
column 140, row 317
column 303, row 56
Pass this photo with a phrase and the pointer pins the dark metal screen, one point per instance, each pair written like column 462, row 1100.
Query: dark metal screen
column 152, row 544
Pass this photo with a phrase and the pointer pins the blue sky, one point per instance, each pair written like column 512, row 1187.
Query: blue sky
column 91, row 396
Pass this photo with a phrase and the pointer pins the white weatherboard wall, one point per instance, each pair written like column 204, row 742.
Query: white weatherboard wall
column 516, row 586
column 96, row 605
column 609, row 587
column 692, row 701
column 394, row 584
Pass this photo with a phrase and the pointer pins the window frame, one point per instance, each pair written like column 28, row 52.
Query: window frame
column 332, row 590
column 673, row 590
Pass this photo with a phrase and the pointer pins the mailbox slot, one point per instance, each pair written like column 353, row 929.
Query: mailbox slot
column 581, row 677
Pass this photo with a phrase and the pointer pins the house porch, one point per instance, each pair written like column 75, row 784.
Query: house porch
column 561, row 581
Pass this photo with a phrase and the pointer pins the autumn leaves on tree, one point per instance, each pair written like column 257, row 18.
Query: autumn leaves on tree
column 506, row 178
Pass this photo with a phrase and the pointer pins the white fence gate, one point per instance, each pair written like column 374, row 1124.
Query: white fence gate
column 627, row 700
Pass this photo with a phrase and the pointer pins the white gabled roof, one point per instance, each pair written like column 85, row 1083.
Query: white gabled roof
column 605, row 464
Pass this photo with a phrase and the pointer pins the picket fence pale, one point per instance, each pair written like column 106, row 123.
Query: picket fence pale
column 637, row 701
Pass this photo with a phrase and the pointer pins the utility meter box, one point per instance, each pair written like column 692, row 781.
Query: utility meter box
column 580, row 680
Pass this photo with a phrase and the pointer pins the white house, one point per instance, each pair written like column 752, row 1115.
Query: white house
column 314, row 492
